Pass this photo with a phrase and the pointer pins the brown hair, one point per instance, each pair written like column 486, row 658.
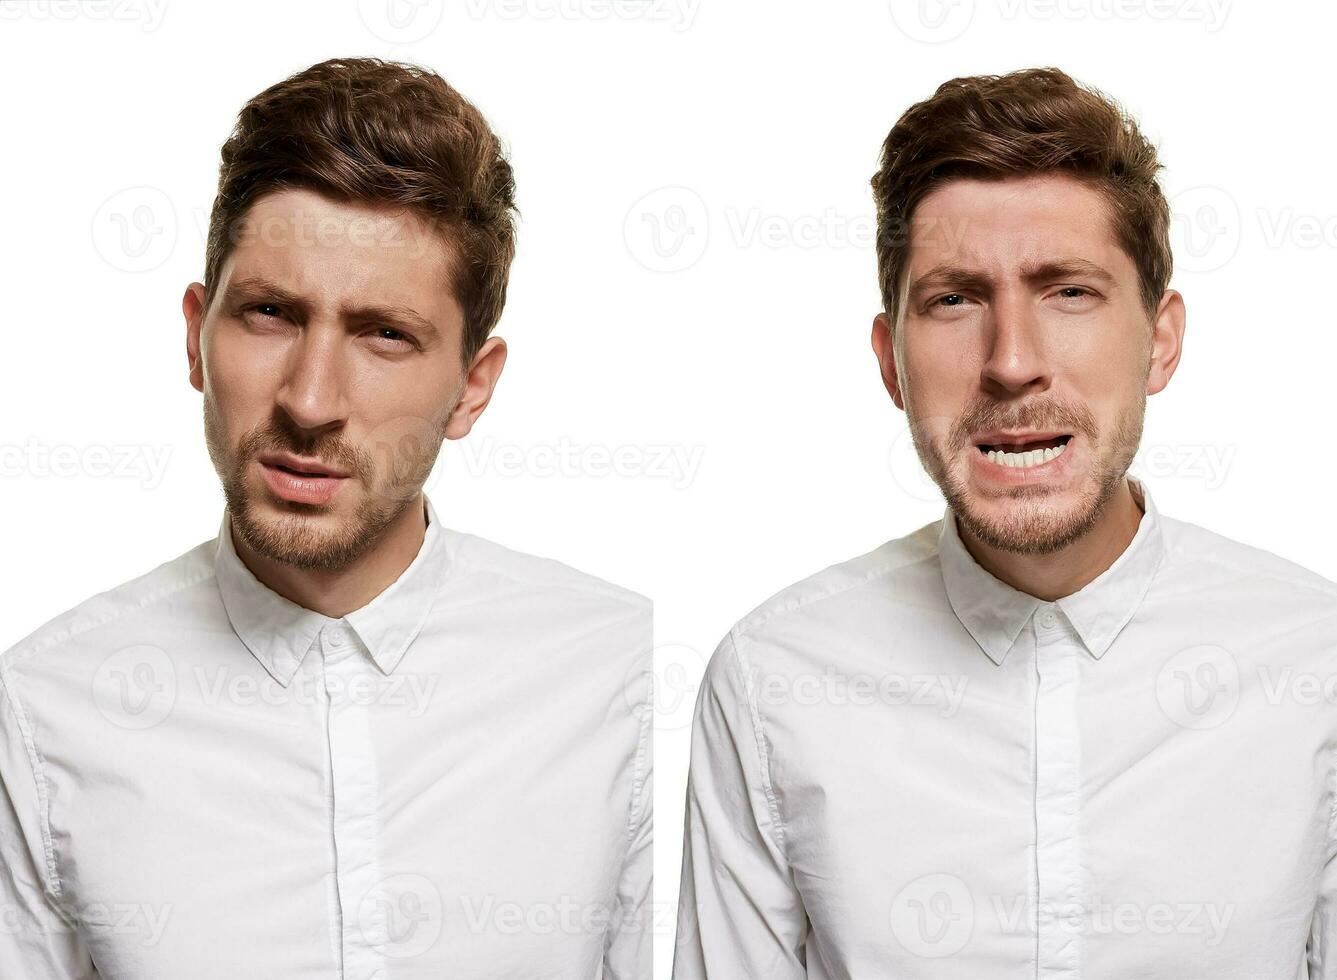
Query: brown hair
column 1023, row 123
column 386, row 133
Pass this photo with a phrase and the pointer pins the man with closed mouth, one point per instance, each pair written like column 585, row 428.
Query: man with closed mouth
column 341, row 738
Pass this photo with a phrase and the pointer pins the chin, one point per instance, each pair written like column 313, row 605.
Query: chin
column 1032, row 519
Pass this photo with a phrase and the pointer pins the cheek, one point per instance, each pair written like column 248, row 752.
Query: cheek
column 376, row 403
column 237, row 382
column 939, row 377
column 1110, row 365
column 1108, row 399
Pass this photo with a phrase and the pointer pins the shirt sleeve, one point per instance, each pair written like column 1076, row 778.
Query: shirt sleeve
column 1321, row 954
column 37, row 940
column 739, row 912
column 628, row 951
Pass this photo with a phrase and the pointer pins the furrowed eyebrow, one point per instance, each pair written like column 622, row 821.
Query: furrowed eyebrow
column 398, row 317
column 254, row 288
column 259, row 289
column 1067, row 269
column 947, row 276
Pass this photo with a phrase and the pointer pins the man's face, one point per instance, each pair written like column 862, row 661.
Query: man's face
column 333, row 344
column 1022, row 331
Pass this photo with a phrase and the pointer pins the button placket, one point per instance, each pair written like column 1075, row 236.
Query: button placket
column 1060, row 894
column 346, row 678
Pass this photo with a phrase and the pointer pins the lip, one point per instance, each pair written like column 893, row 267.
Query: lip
column 297, row 489
column 1015, row 437
column 305, row 466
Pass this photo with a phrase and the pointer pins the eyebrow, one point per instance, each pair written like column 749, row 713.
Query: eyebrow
column 954, row 276
column 258, row 288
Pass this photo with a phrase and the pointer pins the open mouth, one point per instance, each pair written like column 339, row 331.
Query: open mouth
column 1023, row 454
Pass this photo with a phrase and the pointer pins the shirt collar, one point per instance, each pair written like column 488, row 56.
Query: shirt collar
column 279, row 632
column 994, row 613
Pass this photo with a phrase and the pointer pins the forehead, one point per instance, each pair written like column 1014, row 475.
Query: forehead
column 338, row 253
column 1005, row 224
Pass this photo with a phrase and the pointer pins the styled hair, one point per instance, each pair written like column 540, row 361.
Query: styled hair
column 380, row 133
column 1025, row 123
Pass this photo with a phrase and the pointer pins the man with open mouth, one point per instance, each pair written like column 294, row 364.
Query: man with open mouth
column 1054, row 734
column 341, row 738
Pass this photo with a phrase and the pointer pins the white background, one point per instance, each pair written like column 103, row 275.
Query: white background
column 727, row 360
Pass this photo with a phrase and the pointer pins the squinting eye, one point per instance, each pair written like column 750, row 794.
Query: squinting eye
column 261, row 307
column 398, row 336
column 1078, row 290
column 942, row 300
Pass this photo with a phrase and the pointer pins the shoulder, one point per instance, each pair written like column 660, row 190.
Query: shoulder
column 886, row 573
column 1217, row 560
column 506, row 568
column 109, row 617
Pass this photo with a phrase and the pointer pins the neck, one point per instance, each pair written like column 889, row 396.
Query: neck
column 336, row 594
column 1061, row 573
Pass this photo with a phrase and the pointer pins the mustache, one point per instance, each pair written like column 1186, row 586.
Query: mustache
column 1063, row 416
column 330, row 451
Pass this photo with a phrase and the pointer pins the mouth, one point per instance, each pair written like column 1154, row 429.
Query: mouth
column 311, row 469
column 298, row 481
column 1022, row 450
column 294, row 472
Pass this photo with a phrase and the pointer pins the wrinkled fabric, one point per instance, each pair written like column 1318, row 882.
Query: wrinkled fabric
column 202, row 779
column 901, row 767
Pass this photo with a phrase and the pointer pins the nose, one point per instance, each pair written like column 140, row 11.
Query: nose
column 313, row 393
column 1017, row 360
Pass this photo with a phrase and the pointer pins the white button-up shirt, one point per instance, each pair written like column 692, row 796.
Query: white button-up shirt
column 202, row 779
column 903, row 767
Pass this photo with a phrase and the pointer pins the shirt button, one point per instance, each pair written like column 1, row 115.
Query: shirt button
column 337, row 638
column 1048, row 619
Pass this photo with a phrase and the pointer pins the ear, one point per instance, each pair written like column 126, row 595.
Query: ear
column 478, row 386
column 1167, row 340
column 192, row 305
column 885, row 349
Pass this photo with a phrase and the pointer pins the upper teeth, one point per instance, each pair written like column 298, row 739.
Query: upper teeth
column 1033, row 458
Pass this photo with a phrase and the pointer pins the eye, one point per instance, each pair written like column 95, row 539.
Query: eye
column 396, row 337
column 948, row 303
column 1075, row 297
column 263, row 308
